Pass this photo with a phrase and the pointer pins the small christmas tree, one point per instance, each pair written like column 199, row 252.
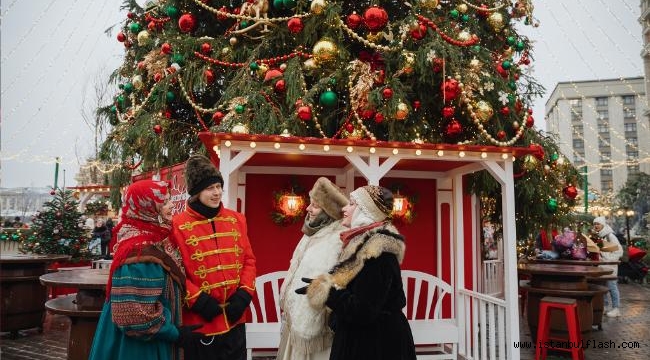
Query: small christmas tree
column 58, row 229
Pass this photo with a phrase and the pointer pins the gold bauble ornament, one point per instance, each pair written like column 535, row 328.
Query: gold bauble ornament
column 483, row 110
column 496, row 21
column 137, row 82
column 239, row 128
column 464, row 36
column 429, row 4
column 374, row 37
column 325, row 50
column 402, row 111
column 356, row 134
column 530, row 162
column 233, row 41
column 318, row 6
column 143, row 38
column 261, row 70
column 462, row 8
column 226, row 52
column 310, row 64
column 475, row 64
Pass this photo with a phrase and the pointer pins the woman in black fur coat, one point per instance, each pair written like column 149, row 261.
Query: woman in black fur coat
column 364, row 290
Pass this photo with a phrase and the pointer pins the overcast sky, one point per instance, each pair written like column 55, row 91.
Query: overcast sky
column 53, row 50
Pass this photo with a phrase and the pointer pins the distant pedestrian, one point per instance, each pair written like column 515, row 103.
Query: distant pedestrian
column 606, row 233
column 17, row 223
column 102, row 233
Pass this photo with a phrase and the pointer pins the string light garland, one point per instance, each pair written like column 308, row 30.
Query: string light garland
column 245, row 17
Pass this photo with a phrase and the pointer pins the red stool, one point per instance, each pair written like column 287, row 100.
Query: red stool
column 573, row 326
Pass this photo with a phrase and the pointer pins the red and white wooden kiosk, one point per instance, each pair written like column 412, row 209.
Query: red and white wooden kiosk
column 442, row 240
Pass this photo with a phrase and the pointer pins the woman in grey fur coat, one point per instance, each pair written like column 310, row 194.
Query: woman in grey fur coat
column 364, row 289
column 305, row 334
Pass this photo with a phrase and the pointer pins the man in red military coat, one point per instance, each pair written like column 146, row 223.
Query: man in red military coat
column 219, row 265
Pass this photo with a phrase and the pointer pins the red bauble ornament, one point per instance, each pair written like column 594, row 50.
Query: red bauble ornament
column 501, row 135
column 484, row 12
column 367, row 114
column 379, row 118
column 530, row 121
column 304, row 113
column 437, row 64
column 165, row 48
column 450, row 89
column 570, row 191
column 416, row 104
column 272, row 74
column 295, row 25
column 157, row 129
column 52, row 192
column 157, row 77
column 387, row 93
column 186, row 23
column 505, row 111
column 121, row 37
column 349, row 127
column 530, row 111
column 152, row 26
column 375, row 18
column 454, row 128
column 447, row 112
column 419, row 33
column 141, row 65
column 354, row 20
column 209, row 76
column 280, row 86
column 206, row 48
column 503, row 72
column 217, row 117
column 222, row 17
column 128, row 44
column 168, row 114
column 130, row 15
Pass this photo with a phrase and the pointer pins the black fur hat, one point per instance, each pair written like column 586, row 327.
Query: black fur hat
column 200, row 173
column 329, row 197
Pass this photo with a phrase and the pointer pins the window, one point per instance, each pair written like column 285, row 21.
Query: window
column 606, row 186
column 628, row 100
column 632, row 155
column 576, row 103
column 606, row 172
column 605, row 156
column 578, row 143
column 602, row 114
column 632, row 141
column 633, row 169
column 603, row 128
column 603, row 142
column 629, row 113
column 630, row 127
column 601, row 101
column 578, row 129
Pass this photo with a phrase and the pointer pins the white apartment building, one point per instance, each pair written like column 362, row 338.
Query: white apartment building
column 602, row 124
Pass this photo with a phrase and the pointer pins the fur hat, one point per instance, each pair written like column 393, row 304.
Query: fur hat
column 375, row 201
column 600, row 220
column 200, row 173
column 328, row 197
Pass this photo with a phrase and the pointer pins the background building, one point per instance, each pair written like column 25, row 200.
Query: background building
column 601, row 124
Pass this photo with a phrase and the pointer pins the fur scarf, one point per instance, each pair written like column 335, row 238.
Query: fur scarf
column 368, row 245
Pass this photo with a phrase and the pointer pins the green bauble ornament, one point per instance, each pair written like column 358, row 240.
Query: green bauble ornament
column 512, row 85
column 170, row 96
column 328, row 98
column 554, row 157
column 551, row 205
column 113, row 109
column 239, row 109
column 289, row 4
column 172, row 11
column 254, row 66
column 511, row 40
column 506, row 64
column 178, row 58
column 454, row 14
column 135, row 28
column 128, row 87
column 519, row 46
column 476, row 48
column 278, row 4
column 120, row 100
column 464, row 18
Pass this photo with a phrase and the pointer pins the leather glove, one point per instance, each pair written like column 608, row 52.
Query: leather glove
column 207, row 306
column 237, row 304
column 187, row 335
column 303, row 290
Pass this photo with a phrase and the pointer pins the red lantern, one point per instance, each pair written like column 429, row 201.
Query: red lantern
column 186, row 23
column 375, row 18
column 291, row 204
column 295, row 25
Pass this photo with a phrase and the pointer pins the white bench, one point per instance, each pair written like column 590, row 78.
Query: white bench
column 435, row 337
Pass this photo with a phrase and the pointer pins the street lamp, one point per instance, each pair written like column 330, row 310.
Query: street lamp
column 628, row 214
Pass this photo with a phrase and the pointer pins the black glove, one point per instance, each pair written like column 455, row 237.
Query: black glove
column 187, row 335
column 207, row 306
column 303, row 290
column 237, row 304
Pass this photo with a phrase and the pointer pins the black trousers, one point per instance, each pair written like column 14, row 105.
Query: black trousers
column 228, row 346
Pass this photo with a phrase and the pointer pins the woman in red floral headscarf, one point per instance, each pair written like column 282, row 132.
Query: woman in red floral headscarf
column 141, row 318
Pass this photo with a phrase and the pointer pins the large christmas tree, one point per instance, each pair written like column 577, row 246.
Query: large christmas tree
column 58, row 229
column 421, row 71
